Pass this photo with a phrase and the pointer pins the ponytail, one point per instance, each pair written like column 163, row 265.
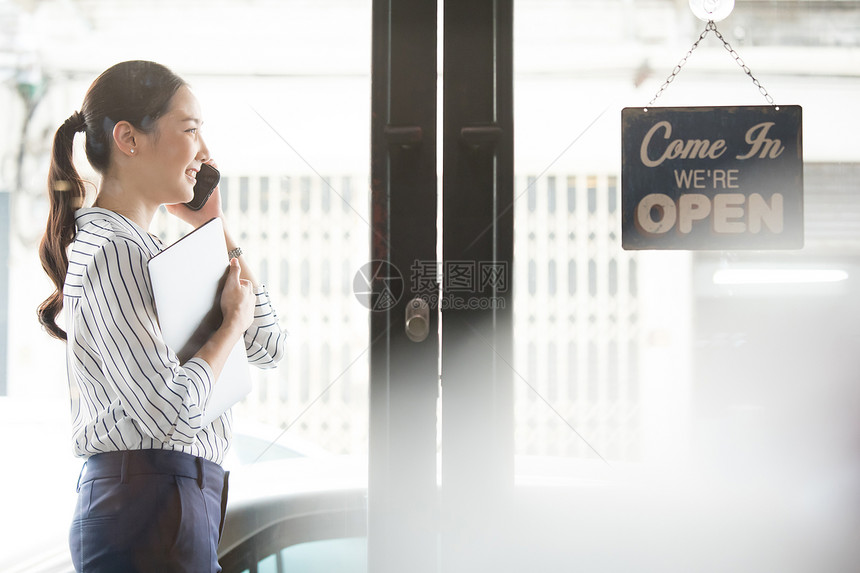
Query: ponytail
column 66, row 192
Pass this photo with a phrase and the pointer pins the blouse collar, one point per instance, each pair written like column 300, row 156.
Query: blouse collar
column 119, row 222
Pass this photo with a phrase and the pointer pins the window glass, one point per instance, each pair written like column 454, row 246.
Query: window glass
column 729, row 372
column 284, row 88
column 348, row 555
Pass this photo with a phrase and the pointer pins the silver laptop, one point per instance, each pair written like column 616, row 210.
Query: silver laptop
column 186, row 280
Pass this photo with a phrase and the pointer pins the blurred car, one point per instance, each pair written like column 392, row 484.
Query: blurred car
column 293, row 506
column 296, row 516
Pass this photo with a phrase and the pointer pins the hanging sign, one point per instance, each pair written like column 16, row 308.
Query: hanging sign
column 712, row 178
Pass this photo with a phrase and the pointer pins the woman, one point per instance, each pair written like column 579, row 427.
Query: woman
column 152, row 493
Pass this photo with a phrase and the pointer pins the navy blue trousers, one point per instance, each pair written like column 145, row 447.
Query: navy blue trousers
column 148, row 511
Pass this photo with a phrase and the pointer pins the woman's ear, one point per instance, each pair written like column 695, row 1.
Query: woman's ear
column 124, row 137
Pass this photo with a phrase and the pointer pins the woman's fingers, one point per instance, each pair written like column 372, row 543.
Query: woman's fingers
column 237, row 299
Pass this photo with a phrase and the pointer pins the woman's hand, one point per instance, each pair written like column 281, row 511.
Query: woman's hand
column 237, row 300
column 210, row 209
column 237, row 306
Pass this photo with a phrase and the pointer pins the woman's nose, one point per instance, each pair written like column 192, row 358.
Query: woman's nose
column 203, row 152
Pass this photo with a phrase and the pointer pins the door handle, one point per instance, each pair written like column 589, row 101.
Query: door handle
column 417, row 319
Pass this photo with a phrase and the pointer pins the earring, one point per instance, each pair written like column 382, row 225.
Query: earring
column 131, row 151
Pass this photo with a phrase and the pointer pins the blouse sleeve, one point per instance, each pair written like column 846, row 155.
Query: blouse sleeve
column 165, row 398
column 265, row 340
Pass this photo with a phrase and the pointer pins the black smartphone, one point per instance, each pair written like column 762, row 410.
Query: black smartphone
column 207, row 179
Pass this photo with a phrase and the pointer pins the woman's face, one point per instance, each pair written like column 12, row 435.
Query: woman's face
column 175, row 150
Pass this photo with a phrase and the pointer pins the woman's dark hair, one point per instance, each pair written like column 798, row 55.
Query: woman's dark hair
column 138, row 92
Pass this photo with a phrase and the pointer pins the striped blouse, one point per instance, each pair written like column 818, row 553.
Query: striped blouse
column 128, row 389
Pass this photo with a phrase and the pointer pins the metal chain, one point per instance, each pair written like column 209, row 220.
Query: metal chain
column 683, row 61
column 743, row 66
column 711, row 26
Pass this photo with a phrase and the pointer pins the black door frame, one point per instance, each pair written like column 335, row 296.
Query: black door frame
column 477, row 340
column 404, row 377
column 412, row 525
